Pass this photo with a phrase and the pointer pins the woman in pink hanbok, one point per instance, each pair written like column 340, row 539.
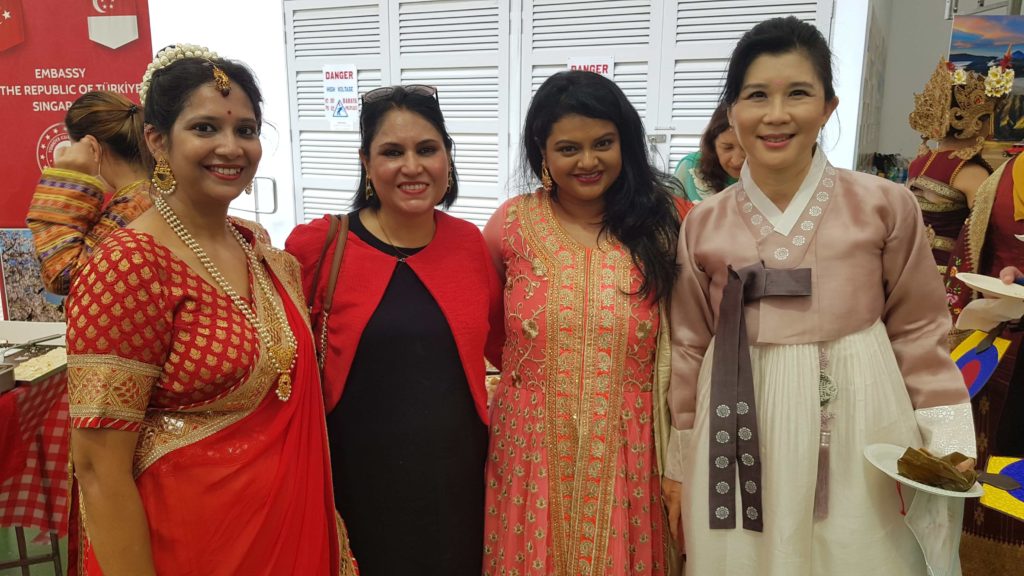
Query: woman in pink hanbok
column 573, row 469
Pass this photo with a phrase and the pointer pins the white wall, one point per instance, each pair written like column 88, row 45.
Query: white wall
column 849, row 33
column 873, row 80
column 251, row 31
column 918, row 36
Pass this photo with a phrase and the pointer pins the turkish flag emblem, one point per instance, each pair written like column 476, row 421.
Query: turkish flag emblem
column 113, row 23
column 12, row 24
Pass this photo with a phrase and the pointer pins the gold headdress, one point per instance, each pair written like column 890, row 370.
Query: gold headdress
column 965, row 101
column 172, row 54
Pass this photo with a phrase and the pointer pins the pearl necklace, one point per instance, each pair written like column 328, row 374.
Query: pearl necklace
column 280, row 354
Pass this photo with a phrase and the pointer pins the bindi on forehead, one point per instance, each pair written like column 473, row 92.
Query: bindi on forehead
column 229, row 112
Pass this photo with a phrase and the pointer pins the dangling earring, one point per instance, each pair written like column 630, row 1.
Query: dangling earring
column 370, row 192
column 451, row 180
column 99, row 173
column 163, row 179
column 248, row 187
column 545, row 177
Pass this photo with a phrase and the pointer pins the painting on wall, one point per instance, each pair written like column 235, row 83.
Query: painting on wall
column 979, row 43
column 25, row 297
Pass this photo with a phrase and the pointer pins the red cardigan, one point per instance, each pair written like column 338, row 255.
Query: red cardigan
column 455, row 267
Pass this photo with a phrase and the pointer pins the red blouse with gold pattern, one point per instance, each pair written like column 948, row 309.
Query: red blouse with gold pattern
column 155, row 348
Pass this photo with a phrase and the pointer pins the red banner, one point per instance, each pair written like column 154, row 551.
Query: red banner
column 52, row 52
column 12, row 27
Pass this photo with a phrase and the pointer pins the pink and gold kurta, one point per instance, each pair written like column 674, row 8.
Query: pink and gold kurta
column 572, row 482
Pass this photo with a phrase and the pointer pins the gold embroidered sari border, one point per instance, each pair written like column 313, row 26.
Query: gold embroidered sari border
column 112, row 361
column 159, row 438
column 123, row 414
column 951, row 195
column 981, row 213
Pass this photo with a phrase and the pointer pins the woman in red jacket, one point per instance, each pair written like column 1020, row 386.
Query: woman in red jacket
column 416, row 302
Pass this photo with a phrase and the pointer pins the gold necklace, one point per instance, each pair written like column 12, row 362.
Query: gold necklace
column 280, row 354
column 402, row 255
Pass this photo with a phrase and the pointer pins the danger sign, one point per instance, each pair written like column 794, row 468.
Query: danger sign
column 603, row 66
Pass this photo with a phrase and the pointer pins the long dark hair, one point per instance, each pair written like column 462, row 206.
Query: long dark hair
column 779, row 36
column 369, row 124
column 112, row 120
column 710, row 166
column 638, row 207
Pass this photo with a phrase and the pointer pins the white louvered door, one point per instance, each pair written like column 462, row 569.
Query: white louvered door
column 626, row 30
column 488, row 57
column 699, row 38
column 319, row 32
column 462, row 48
column 459, row 46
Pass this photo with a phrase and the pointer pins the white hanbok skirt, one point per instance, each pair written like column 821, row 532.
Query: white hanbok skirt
column 864, row 532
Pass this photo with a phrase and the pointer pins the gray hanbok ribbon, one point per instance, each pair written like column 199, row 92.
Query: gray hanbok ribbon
column 733, row 422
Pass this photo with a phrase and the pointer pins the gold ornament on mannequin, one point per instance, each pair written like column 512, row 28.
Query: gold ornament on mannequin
column 958, row 100
column 545, row 177
column 163, row 179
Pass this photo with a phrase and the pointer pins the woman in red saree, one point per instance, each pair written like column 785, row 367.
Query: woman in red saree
column 198, row 433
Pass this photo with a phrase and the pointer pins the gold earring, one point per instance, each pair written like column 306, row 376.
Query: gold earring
column 248, row 187
column 545, row 177
column 370, row 192
column 163, row 179
column 451, row 181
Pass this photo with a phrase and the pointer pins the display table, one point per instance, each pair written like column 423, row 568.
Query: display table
column 34, row 479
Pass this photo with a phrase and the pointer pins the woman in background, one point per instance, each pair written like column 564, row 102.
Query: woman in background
column 718, row 162
column 69, row 213
column 587, row 262
column 416, row 307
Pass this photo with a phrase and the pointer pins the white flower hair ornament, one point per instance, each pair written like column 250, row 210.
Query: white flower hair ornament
column 172, row 54
column 999, row 81
column 959, row 77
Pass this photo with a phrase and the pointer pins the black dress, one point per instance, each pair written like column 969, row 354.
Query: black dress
column 407, row 446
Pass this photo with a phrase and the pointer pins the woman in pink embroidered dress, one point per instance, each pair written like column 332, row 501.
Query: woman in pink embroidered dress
column 572, row 477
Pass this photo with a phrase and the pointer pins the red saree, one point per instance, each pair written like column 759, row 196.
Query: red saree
column 238, row 483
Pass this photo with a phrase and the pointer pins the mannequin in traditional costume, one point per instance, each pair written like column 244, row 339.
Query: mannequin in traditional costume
column 955, row 112
column 993, row 542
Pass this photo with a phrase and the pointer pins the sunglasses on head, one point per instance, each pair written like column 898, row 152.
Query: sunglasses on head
column 386, row 91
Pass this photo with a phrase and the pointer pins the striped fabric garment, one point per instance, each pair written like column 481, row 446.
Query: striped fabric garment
column 68, row 219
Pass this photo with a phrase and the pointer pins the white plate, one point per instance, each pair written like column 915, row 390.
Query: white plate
column 990, row 286
column 884, row 457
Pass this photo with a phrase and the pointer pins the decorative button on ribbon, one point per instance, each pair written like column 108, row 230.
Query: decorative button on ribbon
column 733, row 433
